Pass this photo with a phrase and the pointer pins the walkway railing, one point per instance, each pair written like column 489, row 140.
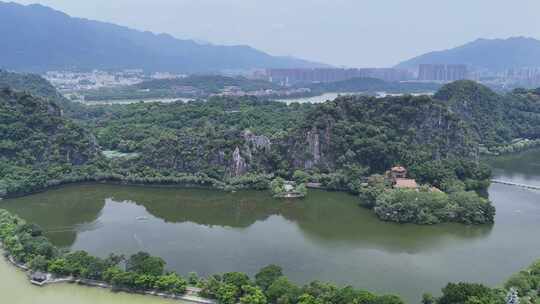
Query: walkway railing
column 530, row 187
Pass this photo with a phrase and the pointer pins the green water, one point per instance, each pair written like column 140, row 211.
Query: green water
column 325, row 237
column 15, row 289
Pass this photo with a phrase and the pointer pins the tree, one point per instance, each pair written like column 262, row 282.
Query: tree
column 144, row 263
column 228, row 294
column 277, row 186
column 461, row 292
column 237, row 279
column 301, row 189
column 267, row 276
column 428, row 298
column 39, row 263
column 32, row 229
column 389, row 300
column 59, row 267
column 193, row 279
column 210, row 288
column 308, row 299
column 301, row 177
column 282, row 291
column 171, row 283
column 521, row 282
column 145, row 282
column 252, row 295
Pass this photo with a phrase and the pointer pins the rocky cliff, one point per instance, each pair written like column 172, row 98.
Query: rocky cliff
column 378, row 133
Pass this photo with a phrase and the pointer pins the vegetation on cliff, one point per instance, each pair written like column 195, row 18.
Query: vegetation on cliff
column 38, row 146
column 39, row 87
column 498, row 121
column 240, row 143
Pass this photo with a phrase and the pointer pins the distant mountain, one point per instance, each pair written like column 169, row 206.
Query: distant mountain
column 493, row 54
column 37, row 38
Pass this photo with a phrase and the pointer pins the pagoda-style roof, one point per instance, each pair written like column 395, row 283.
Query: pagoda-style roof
column 405, row 183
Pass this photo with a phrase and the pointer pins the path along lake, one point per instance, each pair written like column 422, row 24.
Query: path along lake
column 325, row 237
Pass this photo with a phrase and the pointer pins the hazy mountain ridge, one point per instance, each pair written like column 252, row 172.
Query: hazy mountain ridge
column 493, row 54
column 38, row 38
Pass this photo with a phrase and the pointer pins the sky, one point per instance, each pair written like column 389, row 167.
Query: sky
column 351, row 33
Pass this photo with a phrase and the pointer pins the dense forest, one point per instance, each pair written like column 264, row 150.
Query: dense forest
column 238, row 143
column 38, row 146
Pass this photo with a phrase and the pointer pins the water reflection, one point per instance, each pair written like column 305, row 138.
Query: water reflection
column 522, row 167
column 327, row 218
column 325, row 237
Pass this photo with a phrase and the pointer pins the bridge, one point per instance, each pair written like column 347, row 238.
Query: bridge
column 530, row 187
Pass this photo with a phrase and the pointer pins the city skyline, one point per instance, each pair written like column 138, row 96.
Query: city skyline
column 341, row 33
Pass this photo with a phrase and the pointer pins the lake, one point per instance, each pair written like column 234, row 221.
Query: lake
column 315, row 99
column 325, row 237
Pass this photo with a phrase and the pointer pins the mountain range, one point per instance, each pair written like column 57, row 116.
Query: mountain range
column 37, row 38
column 491, row 54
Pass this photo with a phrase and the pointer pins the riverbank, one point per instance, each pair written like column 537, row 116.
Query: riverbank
column 191, row 295
column 15, row 289
column 140, row 273
column 467, row 201
column 233, row 231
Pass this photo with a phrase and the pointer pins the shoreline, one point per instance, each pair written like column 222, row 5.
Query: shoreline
column 191, row 295
column 110, row 182
column 113, row 182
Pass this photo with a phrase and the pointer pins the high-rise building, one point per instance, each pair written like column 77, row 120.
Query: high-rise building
column 295, row 76
column 441, row 72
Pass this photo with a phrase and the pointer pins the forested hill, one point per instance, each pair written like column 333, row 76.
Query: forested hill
column 37, row 144
column 492, row 54
column 38, row 38
column 31, row 83
column 227, row 139
column 39, row 87
column 242, row 142
column 495, row 120
column 377, row 133
column 481, row 108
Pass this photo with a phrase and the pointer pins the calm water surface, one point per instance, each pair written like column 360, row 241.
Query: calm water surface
column 315, row 99
column 325, row 237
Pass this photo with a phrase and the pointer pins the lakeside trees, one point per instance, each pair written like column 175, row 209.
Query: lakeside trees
column 244, row 143
column 426, row 206
column 143, row 272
